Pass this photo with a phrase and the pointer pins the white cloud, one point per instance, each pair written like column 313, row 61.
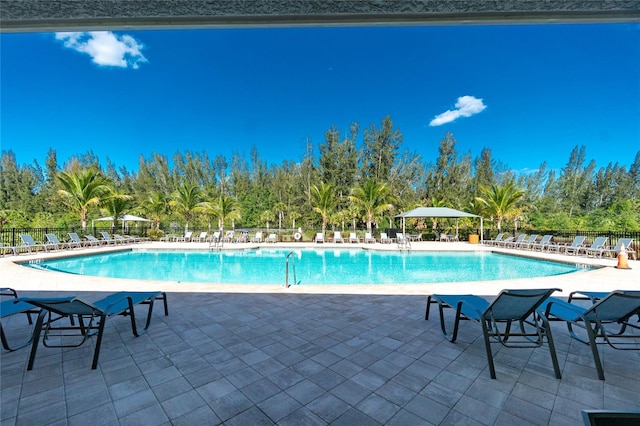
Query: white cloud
column 465, row 107
column 106, row 48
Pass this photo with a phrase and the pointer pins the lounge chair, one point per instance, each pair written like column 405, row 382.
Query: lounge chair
column 29, row 244
column 384, row 239
column 515, row 308
column 596, row 248
column 228, row 237
column 542, row 244
column 200, row 238
column 75, row 240
column 353, row 238
column 505, row 241
column 337, row 237
column 257, row 238
column 123, row 240
column 616, row 250
column 528, row 242
column 319, row 238
column 5, row 249
column 54, row 243
column 91, row 318
column 106, row 238
column 573, row 247
column 215, row 238
column 614, row 309
column 368, row 238
column 93, row 241
column 12, row 307
column 185, row 238
column 515, row 243
column 272, row 238
column 489, row 242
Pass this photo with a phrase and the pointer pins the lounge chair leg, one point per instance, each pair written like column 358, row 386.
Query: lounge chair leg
column 594, row 350
column 36, row 339
column 454, row 335
column 96, row 352
column 552, row 347
column 428, row 309
column 487, row 344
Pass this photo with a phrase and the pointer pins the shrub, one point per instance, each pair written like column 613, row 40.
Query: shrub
column 155, row 234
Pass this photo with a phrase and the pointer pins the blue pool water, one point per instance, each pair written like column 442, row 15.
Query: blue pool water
column 312, row 267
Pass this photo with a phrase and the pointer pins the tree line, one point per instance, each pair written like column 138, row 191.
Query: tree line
column 350, row 179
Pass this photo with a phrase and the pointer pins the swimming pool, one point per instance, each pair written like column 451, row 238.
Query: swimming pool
column 308, row 267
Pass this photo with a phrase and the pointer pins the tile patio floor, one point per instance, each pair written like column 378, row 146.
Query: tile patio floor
column 304, row 359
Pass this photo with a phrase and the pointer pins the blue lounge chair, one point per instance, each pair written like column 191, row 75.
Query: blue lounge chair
column 495, row 241
column 515, row 308
column 626, row 242
column 575, row 245
column 28, row 243
column 596, row 247
column 542, row 244
column 106, row 238
column 613, row 309
column 528, row 242
column 54, row 243
column 11, row 307
column 90, row 316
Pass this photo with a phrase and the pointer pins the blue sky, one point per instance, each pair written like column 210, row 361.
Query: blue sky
column 530, row 93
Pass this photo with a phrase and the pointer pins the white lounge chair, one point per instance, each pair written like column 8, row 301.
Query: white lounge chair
column 337, row 237
column 319, row 237
column 368, row 239
column 353, row 238
column 185, row 238
column 272, row 238
column 384, row 239
column 257, row 238
column 200, row 238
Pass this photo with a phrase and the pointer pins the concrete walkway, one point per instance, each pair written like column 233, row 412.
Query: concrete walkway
column 236, row 356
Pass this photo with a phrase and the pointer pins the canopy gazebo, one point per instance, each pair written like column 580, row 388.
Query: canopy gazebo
column 124, row 218
column 445, row 212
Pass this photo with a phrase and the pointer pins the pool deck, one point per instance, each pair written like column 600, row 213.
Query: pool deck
column 356, row 355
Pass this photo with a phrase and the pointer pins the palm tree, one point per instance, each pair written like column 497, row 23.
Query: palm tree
column 226, row 208
column 500, row 201
column 186, row 200
column 81, row 190
column 157, row 205
column 373, row 199
column 116, row 204
column 293, row 215
column 322, row 201
column 266, row 216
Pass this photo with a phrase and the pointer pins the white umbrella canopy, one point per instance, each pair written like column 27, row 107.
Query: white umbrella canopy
column 124, row 218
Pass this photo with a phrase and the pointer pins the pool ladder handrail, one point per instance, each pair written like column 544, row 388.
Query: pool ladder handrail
column 404, row 243
column 217, row 244
column 286, row 273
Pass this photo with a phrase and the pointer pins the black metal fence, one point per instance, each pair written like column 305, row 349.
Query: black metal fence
column 11, row 236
